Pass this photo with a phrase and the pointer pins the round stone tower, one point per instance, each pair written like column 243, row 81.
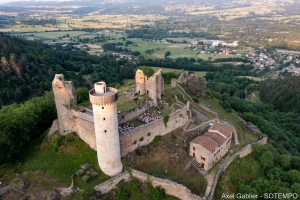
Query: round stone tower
column 106, row 128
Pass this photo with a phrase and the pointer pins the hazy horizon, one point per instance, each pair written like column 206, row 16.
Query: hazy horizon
column 8, row 1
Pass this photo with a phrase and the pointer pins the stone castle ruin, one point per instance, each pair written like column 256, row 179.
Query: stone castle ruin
column 153, row 86
column 193, row 84
column 99, row 127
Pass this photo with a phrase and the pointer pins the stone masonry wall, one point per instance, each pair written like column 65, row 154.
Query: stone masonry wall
column 170, row 187
column 110, row 184
column 131, row 115
column 86, row 131
column 176, row 120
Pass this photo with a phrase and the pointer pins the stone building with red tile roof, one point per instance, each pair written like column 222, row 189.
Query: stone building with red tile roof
column 210, row 147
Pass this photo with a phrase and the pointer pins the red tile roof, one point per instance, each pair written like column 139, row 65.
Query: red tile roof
column 206, row 142
column 222, row 128
column 216, row 137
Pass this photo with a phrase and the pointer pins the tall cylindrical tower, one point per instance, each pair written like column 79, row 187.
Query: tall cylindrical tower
column 106, row 128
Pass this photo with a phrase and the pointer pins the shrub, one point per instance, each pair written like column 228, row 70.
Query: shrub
column 166, row 119
column 157, row 193
column 138, row 152
column 56, row 142
column 134, row 142
column 157, row 138
column 210, row 94
column 195, row 99
column 148, row 134
column 142, row 138
column 122, row 194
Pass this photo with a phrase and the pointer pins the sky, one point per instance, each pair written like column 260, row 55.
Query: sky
column 6, row 1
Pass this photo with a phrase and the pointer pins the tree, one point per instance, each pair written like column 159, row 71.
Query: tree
column 168, row 53
column 148, row 71
column 266, row 159
column 82, row 94
column 285, row 161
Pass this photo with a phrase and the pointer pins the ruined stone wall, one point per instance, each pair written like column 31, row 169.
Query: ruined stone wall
column 64, row 95
column 131, row 115
column 110, row 184
column 140, row 80
column 86, row 131
column 153, row 86
column 54, row 128
column 170, row 187
column 140, row 136
column 173, row 83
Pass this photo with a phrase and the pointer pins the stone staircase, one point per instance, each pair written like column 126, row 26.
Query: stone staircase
column 197, row 165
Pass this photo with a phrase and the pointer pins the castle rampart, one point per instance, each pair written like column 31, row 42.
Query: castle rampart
column 132, row 140
column 170, row 187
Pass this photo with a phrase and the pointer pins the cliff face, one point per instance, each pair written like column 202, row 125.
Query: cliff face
column 193, row 84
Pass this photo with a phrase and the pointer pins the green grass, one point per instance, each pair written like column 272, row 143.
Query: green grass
column 241, row 169
column 198, row 73
column 214, row 56
column 57, row 34
column 58, row 166
column 254, row 97
column 124, row 103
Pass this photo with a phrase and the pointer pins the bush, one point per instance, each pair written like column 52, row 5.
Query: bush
column 122, row 194
column 142, row 138
column 148, row 134
column 157, row 193
column 195, row 99
column 138, row 152
column 210, row 94
column 157, row 138
column 56, row 142
column 166, row 119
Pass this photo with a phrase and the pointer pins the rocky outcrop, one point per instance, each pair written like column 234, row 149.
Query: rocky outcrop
column 193, row 84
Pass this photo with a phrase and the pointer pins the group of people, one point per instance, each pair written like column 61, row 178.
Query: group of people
column 123, row 128
column 149, row 117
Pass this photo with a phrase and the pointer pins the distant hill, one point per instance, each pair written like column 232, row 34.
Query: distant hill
column 106, row 2
column 27, row 68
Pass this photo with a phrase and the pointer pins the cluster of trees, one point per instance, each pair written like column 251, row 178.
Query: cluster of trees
column 21, row 123
column 264, row 172
column 27, row 68
column 35, row 21
column 281, row 173
column 283, row 94
column 148, row 32
column 226, row 82
column 197, row 65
